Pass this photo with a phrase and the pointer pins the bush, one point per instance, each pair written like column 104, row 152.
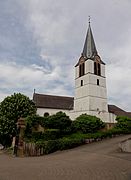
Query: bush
column 57, row 121
column 50, row 134
column 59, row 144
column 48, row 146
column 87, row 124
column 32, row 121
column 123, row 123
column 67, row 143
column 74, row 140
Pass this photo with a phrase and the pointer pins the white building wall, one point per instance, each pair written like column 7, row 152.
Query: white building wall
column 106, row 117
column 42, row 111
column 91, row 98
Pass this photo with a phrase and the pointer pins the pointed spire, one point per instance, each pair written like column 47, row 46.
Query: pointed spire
column 89, row 50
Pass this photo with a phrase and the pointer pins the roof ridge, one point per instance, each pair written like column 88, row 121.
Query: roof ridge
column 53, row 95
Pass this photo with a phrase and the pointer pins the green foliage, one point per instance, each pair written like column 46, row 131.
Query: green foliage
column 50, row 134
column 59, row 144
column 57, row 121
column 31, row 122
column 67, row 143
column 34, row 120
column 123, row 123
column 7, row 128
column 87, row 124
column 11, row 109
column 48, row 146
column 74, row 140
column 16, row 106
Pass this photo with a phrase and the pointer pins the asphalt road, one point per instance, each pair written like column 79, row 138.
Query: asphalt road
column 96, row 161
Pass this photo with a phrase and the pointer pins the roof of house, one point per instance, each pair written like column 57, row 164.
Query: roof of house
column 54, row 102
column 118, row 111
column 67, row 103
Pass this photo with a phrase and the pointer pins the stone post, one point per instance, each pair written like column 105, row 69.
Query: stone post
column 21, row 127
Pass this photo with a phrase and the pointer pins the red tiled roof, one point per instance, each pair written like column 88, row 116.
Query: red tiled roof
column 54, row 102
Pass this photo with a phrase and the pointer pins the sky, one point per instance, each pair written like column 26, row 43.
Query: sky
column 42, row 40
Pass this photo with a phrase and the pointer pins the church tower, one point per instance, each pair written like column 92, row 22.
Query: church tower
column 90, row 81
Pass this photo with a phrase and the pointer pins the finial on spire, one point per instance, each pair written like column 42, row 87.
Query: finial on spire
column 89, row 19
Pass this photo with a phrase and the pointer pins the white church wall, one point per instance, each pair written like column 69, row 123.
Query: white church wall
column 81, row 104
column 105, row 116
column 76, row 71
column 103, row 70
column 42, row 111
column 89, row 66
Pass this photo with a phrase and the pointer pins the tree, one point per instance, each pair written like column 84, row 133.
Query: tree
column 7, row 130
column 87, row 124
column 11, row 109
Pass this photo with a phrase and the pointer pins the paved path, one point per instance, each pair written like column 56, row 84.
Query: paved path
column 96, row 161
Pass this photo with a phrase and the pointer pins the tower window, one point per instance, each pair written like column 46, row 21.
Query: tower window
column 98, row 82
column 97, row 68
column 81, row 82
column 81, row 69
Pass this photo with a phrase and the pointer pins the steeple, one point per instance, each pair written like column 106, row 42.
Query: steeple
column 89, row 50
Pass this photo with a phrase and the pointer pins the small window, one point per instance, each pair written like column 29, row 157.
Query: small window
column 46, row 114
column 81, row 82
column 98, row 82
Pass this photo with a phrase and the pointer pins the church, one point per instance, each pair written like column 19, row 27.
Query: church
column 90, row 89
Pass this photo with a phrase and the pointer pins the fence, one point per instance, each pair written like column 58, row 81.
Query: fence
column 30, row 149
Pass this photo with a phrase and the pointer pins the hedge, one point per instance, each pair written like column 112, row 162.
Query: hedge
column 50, row 134
column 60, row 144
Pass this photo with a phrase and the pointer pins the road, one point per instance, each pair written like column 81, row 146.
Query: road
column 96, row 161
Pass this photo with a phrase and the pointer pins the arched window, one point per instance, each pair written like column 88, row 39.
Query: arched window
column 97, row 68
column 81, row 69
column 46, row 114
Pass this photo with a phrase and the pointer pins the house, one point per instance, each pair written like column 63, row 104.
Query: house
column 90, row 89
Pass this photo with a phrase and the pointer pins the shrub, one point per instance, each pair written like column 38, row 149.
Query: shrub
column 123, row 123
column 34, row 120
column 57, row 121
column 87, row 124
column 67, row 143
column 48, row 146
column 50, row 134
column 59, row 144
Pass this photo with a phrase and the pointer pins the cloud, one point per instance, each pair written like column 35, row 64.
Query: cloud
column 18, row 78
